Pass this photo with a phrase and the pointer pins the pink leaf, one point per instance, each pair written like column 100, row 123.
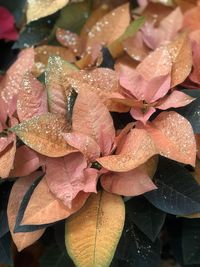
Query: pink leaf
column 7, row 30
column 137, row 149
column 139, row 115
column 175, row 100
column 5, row 141
column 26, row 161
column 132, row 183
column 157, row 63
column 45, row 208
column 195, row 75
column 84, row 143
column 65, row 177
column 32, row 98
column 11, row 83
column 95, row 117
column 7, row 159
column 167, row 30
column 173, row 137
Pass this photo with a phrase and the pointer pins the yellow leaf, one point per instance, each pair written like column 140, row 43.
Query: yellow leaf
column 44, row 134
column 41, row 8
column 92, row 234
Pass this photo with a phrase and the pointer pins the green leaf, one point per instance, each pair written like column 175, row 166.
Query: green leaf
column 54, row 257
column 135, row 249
column 191, row 241
column 178, row 192
column 146, row 217
column 73, row 17
column 192, row 111
column 35, row 32
column 5, row 250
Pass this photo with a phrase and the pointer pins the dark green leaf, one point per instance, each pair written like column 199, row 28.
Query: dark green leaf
column 27, row 228
column 5, row 188
column 73, row 17
column 54, row 257
column 192, row 111
column 5, row 250
column 191, row 241
column 35, row 32
column 135, row 249
column 146, row 217
column 178, row 192
column 108, row 61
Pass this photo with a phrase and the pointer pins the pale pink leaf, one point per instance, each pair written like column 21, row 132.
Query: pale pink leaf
column 84, row 143
column 139, row 115
column 65, row 177
column 157, row 63
column 167, row 30
column 175, row 100
column 26, row 161
column 21, row 240
column 32, row 98
column 132, row 183
column 137, row 149
column 95, row 117
column 173, row 137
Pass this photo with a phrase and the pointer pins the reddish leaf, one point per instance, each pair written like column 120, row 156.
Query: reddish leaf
column 192, row 19
column 32, row 98
column 7, row 159
column 45, row 208
column 21, row 240
column 173, row 137
column 8, row 30
column 139, row 115
column 65, row 177
column 95, row 118
column 44, row 134
column 84, row 143
column 26, row 161
column 195, row 75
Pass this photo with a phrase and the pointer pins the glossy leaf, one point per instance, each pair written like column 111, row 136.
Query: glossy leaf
column 38, row 9
column 21, row 240
column 43, row 134
column 100, row 225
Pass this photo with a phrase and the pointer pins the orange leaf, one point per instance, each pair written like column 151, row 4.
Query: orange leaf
column 7, row 159
column 137, row 149
column 32, row 98
column 173, row 137
column 95, row 118
column 132, row 183
column 43, row 134
column 110, row 27
column 181, row 55
column 44, row 208
column 20, row 187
